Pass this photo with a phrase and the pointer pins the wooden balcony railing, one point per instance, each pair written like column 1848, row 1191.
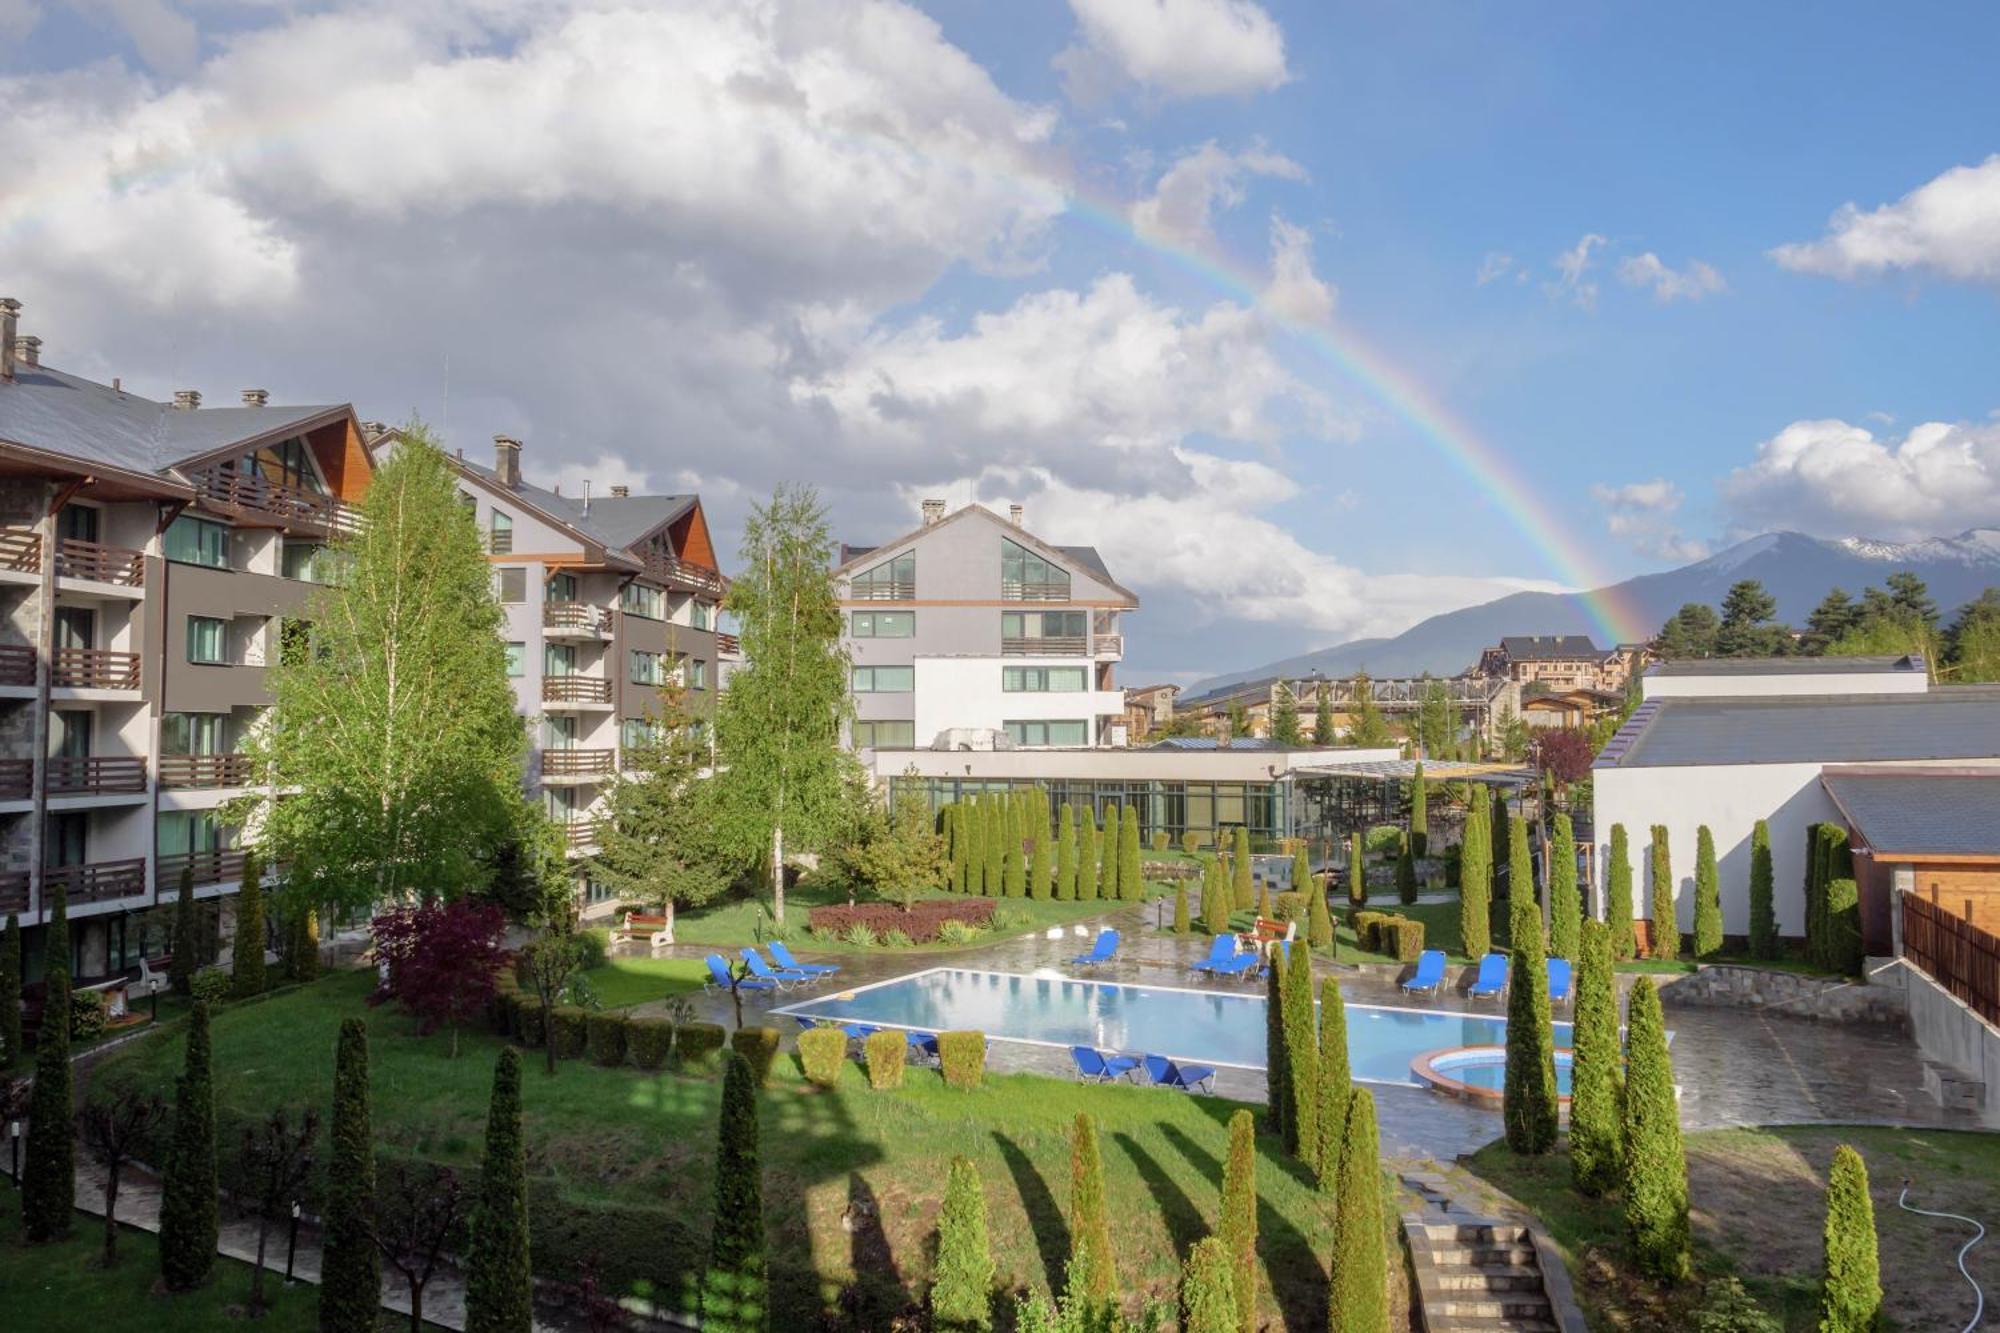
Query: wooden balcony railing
column 678, row 573
column 96, row 668
column 1108, row 645
column 582, row 833
column 575, row 690
column 1064, row 645
column 204, row 770
column 17, row 779
column 104, row 564
column 17, row 664
column 883, row 590
column 21, row 550
column 289, row 504
column 577, row 763
column 728, row 643
column 1034, row 590
column 13, row 892
column 211, row 867
column 580, row 616
column 98, row 882
column 97, row 775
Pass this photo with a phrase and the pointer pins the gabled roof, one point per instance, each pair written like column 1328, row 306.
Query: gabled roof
column 1918, row 813
column 1085, row 558
column 1943, row 723
column 613, row 522
column 1536, row 647
column 1786, row 666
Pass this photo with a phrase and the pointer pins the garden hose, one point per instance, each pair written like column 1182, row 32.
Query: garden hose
column 1978, row 1296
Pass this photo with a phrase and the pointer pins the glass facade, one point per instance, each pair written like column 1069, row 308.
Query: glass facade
column 1041, row 680
column 1025, row 576
column 196, row 541
column 885, row 735
column 1207, row 808
column 884, row 679
column 884, row 624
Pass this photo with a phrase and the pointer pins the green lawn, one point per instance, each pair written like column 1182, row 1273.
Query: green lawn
column 625, row 1137
column 625, row 981
column 1757, row 1210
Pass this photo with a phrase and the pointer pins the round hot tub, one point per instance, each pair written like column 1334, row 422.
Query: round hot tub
column 1477, row 1073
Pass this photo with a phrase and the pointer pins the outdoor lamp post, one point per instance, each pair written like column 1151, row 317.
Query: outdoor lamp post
column 14, row 1147
column 292, row 1244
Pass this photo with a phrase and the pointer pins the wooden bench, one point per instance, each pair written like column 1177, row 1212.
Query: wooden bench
column 1268, row 931
column 640, row 926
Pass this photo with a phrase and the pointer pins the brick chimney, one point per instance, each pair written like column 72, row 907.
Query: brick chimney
column 620, row 492
column 933, row 511
column 28, row 351
column 10, row 317
column 1014, row 513
column 187, row 400
column 507, row 461
column 256, row 397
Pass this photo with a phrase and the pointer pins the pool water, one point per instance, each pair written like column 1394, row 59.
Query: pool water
column 1211, row 1027
column 1489, row 1070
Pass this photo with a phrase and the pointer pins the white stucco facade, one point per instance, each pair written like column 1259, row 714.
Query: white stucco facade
column 970, row 693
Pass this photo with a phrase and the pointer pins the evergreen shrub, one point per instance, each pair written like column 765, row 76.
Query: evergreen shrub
column 650, row 1041
column 962, row 1055
column 694, row 1043
column 608, row 1038
column 887, row 1053
column 822, row 1055
column 572, row 1031
column 759, row 1047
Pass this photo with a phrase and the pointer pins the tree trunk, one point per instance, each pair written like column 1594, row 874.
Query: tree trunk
column 111, row 1215
column 416, row 1306
column 778, row 875
column 257, row 1273
column 667, row 911
column 549, row 1032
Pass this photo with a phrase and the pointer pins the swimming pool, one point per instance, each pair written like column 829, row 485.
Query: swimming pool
column 1213, row 1027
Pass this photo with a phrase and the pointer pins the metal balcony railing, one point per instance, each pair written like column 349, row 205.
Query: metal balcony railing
column 17, row 664
column 204, row 770
column 96, row 668
column 579, row 616
column 575, row 690
column 1064, row 645
column 217, row 866
column 17, row 779
column 97, row 775
column 103, row 564
column 98, row 882
column 577, row 763
column 21, row 550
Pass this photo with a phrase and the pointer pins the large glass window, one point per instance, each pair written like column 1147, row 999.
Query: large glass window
column 1040, row 732
column 891, row 581
column 196, row 541
column 184, row 831
column 194, row 733
column 1041, row 680
column 699, row 615
column 885, row 735
column 647, row 668
column 208, row 640
column 885, row 624
column 513, row 586
column 640, row 599
column 562, row 588
column 558, row 659
column 517, row 659
column 1042, row 631
column 502, row 541
column 884, row 679
column 1026, row 577
column 697, row 674
column 287, row 463
column 303, row 561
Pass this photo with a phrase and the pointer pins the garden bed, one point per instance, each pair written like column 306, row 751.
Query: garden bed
column 920, row 921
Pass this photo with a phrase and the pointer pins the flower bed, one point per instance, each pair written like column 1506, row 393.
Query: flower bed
column 920, row 923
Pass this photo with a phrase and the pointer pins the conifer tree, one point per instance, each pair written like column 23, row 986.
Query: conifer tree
column 1655, row 1179
column 1475, row 884
column 954, row 841
column 1406, row 875
column 1241, row 887
column 48, row 1184
column 1707, row 896
column 1066, row 855
column 1666, row 930
column 734, row 1290
column 1264, row 901
column 1301, row 1090
column 1131, row 880
column 189, row 1224
column 1323, row 717
column 1763, row 910
column 1107, row 854
column 1086, row 857
column 247, row 965
column 1301, row 870
column 187, row 931
column 1565, row 908
column 1596, row 1134
column 961, row 1297
column 499, row 1295
column 972, row 823
column 1182, row 923
column 1618, row 896
column 1851, row 1291
column 1208, row 1291
column 996, row 847
column 1521, row 872
column 1357, row 869
column 1237, row 1228
column 1276, row 1080
column 1319, row 921
column 1359, row 1277
column 1214, row 898
column 1092, row 1276
column 1529, row 1104
column 351, row 1275
column 1015, row 871
column 1336, row 1083
column 10, row 993
column 1420, row 818
column 1498, row 827
column 301, row 931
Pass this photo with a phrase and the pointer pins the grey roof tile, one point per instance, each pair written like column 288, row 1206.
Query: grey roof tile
column 1946, row 722
column 1955, row 814
column 1785, row 666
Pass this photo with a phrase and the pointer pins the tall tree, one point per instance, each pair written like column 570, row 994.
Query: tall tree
column 1066, row 854
column 48, row 1188
column 1041, row 863
column 961, row 1297
column 1359, row 1297
column 1015, row 870
column 1475, row 880
column 1322, row 714
column 1666, row 931
column 1087, row 840
column 351, row 1276
column 1565, row 908
column 1215, row 898
column 189, row 1225
column 1690, row 632
column 1972, row 644
column 1528, row 1103
column 1747, row 629
column 1833, row 617
column 499, row 1292
column 1239, row 721
column 1596, row 1137
column 1108, row 844
column 778, row 724
column 1420, row 816
column 1618, row 895
column 1093, row 1278
column 1301, row 1091
column 1336, row 1084
column 1436, row 726
column 1369, row 730
column 900, row 852
column 1707, row 896
column 1851, row 1291
column 394, row 733
column 1208, row 1292
column 1655, row 1184
column 186, row 959
column 10, row 992
column 114, row 1130
column 1521, row 879
column 1277, row 1083
column 1131, row 879
column 1285, row 717
column 247, row 954
column 1763, row 911
column 735, row 1291
column 1909, row 595
column 1357, row 869
column 657, row 844
column 993, row 846
column 1242, row 889
column 1237, row 1228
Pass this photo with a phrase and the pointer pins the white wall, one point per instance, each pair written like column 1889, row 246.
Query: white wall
column 965, row 692
column 1678, row 686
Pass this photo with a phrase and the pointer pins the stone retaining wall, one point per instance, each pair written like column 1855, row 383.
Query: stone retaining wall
column 1733, row 987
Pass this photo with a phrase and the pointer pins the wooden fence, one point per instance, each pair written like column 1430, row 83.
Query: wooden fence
column 1958, row 955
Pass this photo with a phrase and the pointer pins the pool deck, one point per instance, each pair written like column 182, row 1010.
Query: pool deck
column 1735, row 1067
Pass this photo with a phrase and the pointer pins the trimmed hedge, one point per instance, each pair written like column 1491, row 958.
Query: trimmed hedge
column 1386, row 932
column 695, row 1042
column 887, row 1053
column 822, row 1055
column 920, row 923
column 572, row 1031
column 759, row 1046
column 650, row 1040
column 963, row 1058
column 530, row 1023
column 609, row 1034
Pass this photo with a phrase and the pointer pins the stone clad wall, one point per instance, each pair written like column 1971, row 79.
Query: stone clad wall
column 1733, row 987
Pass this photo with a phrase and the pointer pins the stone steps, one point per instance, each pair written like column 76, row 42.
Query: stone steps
column 1481, row 1274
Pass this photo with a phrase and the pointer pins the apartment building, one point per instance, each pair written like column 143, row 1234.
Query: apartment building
column 970, row 632
column 1563, row 662
column 151, row 556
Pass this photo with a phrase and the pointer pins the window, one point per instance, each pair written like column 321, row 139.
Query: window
column 884, row 679
column 513, row 586
column 1040, row 680
column 306, row 561
column 884, row 624
column 502, row 541
column 1042, row 625
column 891, row 581
column 646, row 668
column 699, row 616
column 885, row 735
column 196, row 541
column 194, row 733
column 1049, row 733
column 287, row 463
column 561, row 588
column 207, row 640
column 470, row 503
column 640, row 733
column 517, row 659
column 698, row 674
column 1026, row 577
column 640, row 599
column 558, row 659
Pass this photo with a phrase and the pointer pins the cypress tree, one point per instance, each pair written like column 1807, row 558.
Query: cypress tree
column 1565, row 907
column 302, row 941
column 1276, row 1080
column 1529, row 1104
column 10, row 992
column 247, row 966
column 1264, row 901
column 351, row 1274
column 1655, row 1181
column 1521, row 873
column 187, row 934
column 734, row 1290
column 1707, row 897
column 1475, row 886
column 1131, row 880
column 1237, row 1228
column 954, row 847
column 1763, row 910
column 1618, row 896
column 1208, row 1289
column 1596, row 1137
column 1302, row 874
column 1091, row 1273
column 1814, row 879
column 189, row 1224
column 1066, row 855
column 996, row 847
column 1086, row 857
column 1851, row 1294
column 1420, row 817
column 969, row 830
column 1357, row 869
column 1182, row 924
column 499, row 1297
column 1107, row 854
column 1214, row 898
column 1319, row 921
column 48, row 1184
column 1301, row 1089
column 1014, row 883
column 1498, row 826
column 1240, row 887
column 1335, row 1084
column 962, row 1285
column 1406, row 875
column 1359, row 1276
column 1666, row 930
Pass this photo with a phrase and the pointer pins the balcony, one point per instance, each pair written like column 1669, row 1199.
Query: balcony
column 677, row 573
column 184, row 771
column 20, row 550
column 17, row 664
column 100, row 882
column 578, row 764
column 96, row 669
column 120, row 565
column 1034, row 590
column 1063, row 645
column 575, row 620
column 97, row 775
column 13, row 892
column 575, row 690
column 253, row 496
column 217, row 866
column 883, row 590
column 1108, row 645
column 17, row 779
column 728, row 644
column 582, row 834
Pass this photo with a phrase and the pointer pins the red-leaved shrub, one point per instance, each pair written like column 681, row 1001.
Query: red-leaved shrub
column 442, row 959
column 920, row 923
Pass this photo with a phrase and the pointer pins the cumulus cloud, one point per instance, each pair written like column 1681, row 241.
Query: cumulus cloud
column 1833, row 476
column 1949, row 226
column 1174, row 48
column 1181, row 208
column 1573, row 266
column 1296, row 293
column 1640, row 513
column 1498, row 264
column 1692, row 283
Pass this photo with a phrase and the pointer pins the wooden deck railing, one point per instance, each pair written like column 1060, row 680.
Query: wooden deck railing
column 1060, row 645
column 99, row 882
column 1953, row 952
column 577, row 763
column 678, row 573
column 575, row 690
column 577, row 616
column 17, row 779
column 211, row 867
column 1108, row 645
column 582, row 833
column 21, row 550
column 97, row 775
column 13, row 892
column 17, row 664
column 96, row 668
column 104, row 564
column 728, row 643
column 204, row 770
column 292, row 504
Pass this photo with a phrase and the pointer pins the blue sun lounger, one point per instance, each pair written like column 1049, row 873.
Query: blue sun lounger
column 1559, row 981
column 1100, row 952
column 719, row 980
column 1188, row 1078
column 923, row 1045
column 1492, row 978
column 781, row 954
column 1094, row 1066
column 1429, row 974
column 761, row 969
column 1224, row 959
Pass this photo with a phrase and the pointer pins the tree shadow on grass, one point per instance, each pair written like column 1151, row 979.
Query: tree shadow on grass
column 1045, row 1215
column 1185, row 1223
column 1222, row 1111
column 1297, row 1278
column 878, row 1297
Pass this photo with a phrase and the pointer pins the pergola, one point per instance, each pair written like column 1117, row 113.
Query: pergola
column 1334, row 800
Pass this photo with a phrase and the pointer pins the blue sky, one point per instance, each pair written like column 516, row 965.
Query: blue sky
column 722, row 245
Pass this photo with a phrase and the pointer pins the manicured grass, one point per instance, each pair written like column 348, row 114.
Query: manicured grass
column 62, row 1287
column 625, row 981
column 1758, row 1204
column 873, row 1158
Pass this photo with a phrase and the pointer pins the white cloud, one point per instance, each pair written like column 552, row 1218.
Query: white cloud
column 1496, row 265
column 1832, row 476
column 1296, row 293
column 1175, row 48
column 1640, row 513
column 18, row 18
column 1692, row 283
column 1656, row 496
column 1572, row 268
column 1182, row 205
column 164, row 37
column 1950, row 226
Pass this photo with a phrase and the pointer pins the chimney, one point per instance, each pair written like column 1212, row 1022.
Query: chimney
column 28, row 350
column 1014, row 513
column 621, row 492
column 187, row 400
column 10, row 317
column 586, row 497
column 507, row 461
column 933, row 511
column 256, row 397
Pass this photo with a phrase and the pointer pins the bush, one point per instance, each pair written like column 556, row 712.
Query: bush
column 822, row 1055
column 1595, row 1141
column 1191, row 842
column 211, row 985
column 1092, row 1274
column 961, row 1295
column 593, row 947
column 1290, row 907
column 759, row 1047
column 1384, row 840
column 1010, row 918
column 650, row 1040
column 895, row 939
column 531, row 1023
column 1851, row 1295
column 1763, row 912
column 1843, row 928
column 1359, row 1263
column 1159, row 840
column 958, row 932
column 1401, row 938
column 609, row 1034
column 1726, row 1307
column 1528, row 1102
column 1183, row 923
column 350, row 1265
column 189, row 1221
column 1707, row 896
column 1618, row 896
column 503, row 1011
column 572, row 1031
column 858, row 935
column 695, row 1042
column 1655, row 1184
column 963, row 1058
column 886, row 1053
column 921, row 923
column 88, row 1015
